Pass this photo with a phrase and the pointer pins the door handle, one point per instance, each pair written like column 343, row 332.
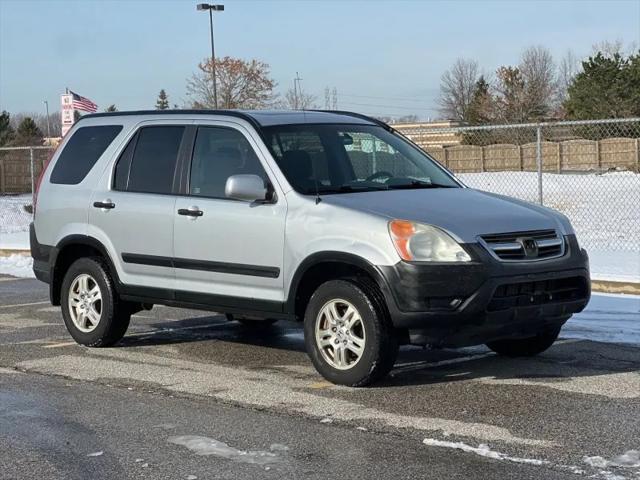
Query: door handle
column 106, row 205
column 191, row 212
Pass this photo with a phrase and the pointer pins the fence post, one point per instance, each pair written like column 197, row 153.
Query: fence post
column 521, row 157
column 33, row 182
column 559, row 157
column 482, row 167
column 446, row 157
column 3, row 185
column 598, row 159
column 539, row 161
column 637, row 155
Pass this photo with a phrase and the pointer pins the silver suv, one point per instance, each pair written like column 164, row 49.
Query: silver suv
column 329, row 218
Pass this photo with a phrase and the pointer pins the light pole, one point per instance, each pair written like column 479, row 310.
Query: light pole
column 46, row 104
column 212, row 8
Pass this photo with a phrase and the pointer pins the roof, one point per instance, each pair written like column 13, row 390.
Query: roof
column 261, row 118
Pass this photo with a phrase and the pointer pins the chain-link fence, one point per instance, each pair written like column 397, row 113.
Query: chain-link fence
column 19, row 169
column 588, row 170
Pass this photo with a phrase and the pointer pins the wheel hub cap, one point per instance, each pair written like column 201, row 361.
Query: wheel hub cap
column 85, row 303
column 340, row 334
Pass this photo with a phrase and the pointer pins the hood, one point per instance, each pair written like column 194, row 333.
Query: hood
column 463, row 212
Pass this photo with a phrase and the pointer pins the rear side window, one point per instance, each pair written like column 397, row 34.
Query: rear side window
column 81, row 153
column 148, row 163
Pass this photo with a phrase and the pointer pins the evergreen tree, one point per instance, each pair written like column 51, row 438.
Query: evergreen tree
column 111, row 108
column 28, row 133
column 479, row 111
column 607, row 87
column 163, row 101
column 6, row 132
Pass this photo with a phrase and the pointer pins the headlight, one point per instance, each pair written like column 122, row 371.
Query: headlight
column 424, row 243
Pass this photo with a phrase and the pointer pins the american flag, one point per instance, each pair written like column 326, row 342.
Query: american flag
column 82, row 103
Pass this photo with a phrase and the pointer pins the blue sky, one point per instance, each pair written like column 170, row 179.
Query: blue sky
column 384, row 57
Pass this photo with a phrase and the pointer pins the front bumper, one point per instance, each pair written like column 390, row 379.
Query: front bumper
column 486, row 299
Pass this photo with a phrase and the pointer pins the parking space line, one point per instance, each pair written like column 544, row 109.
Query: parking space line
column 11, row 279
column 24, row 304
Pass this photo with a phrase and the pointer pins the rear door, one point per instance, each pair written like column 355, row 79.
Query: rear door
column 133, row 212
column 233, row 253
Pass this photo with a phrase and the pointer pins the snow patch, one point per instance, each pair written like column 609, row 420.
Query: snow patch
column 95, row 454
column 607, row 318
column 629, row 459
column 209, row 446
column 17, row 266
column 482, row 450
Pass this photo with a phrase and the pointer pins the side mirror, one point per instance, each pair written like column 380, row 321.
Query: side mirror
column 249, row 188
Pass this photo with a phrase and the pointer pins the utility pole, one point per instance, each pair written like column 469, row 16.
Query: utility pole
column 46, row 104
column 297, row 90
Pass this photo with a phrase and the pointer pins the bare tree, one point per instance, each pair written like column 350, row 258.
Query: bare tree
column 457, row 86
column 240, row 84
column 567, row 70
column 299, row 100
column 608, row 49
column 540, row 82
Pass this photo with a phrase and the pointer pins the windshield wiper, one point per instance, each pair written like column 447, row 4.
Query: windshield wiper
column 346, row 188
column 418, row 184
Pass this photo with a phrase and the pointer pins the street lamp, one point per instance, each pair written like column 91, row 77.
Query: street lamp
column 212, row 8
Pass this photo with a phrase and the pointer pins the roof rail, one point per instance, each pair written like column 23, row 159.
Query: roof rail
column 229, row 113
column 357, row 115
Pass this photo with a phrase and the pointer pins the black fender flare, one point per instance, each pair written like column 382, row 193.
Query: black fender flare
column 335, row 257
column 77, row 239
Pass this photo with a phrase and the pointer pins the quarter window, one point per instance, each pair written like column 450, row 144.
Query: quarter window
column 148, row 163
column 218, row 154
column 81, row 153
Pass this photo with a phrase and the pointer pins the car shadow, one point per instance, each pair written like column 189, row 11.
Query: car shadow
column 568, row 358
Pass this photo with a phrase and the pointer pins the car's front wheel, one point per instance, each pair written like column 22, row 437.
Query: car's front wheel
column 92, row 312
column 525, row 347
column 348, row 334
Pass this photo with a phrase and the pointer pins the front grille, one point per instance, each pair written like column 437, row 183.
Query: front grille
column 524, row 246
column 540, row 292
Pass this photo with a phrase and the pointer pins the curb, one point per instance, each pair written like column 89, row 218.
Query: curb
column 5, row 252
column 602, row 286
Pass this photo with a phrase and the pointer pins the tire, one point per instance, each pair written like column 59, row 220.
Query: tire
column 113, row 315
column 252, row 322
column 371, row 333
column 525, row 347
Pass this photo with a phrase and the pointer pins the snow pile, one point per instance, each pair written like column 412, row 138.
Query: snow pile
column 13, row 217
column 17, row 266
column 482, row 450
column 14, row 222
column 209, row 446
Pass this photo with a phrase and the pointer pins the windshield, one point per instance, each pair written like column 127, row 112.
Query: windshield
column 351, row 158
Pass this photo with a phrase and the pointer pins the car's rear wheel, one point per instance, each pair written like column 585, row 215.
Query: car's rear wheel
column 348, row 334
column 525, row 347
column 92, row 312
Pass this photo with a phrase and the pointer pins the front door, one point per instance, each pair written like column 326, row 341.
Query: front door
column 232, row 253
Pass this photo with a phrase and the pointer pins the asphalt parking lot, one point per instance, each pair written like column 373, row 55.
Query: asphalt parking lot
column 190, row 395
